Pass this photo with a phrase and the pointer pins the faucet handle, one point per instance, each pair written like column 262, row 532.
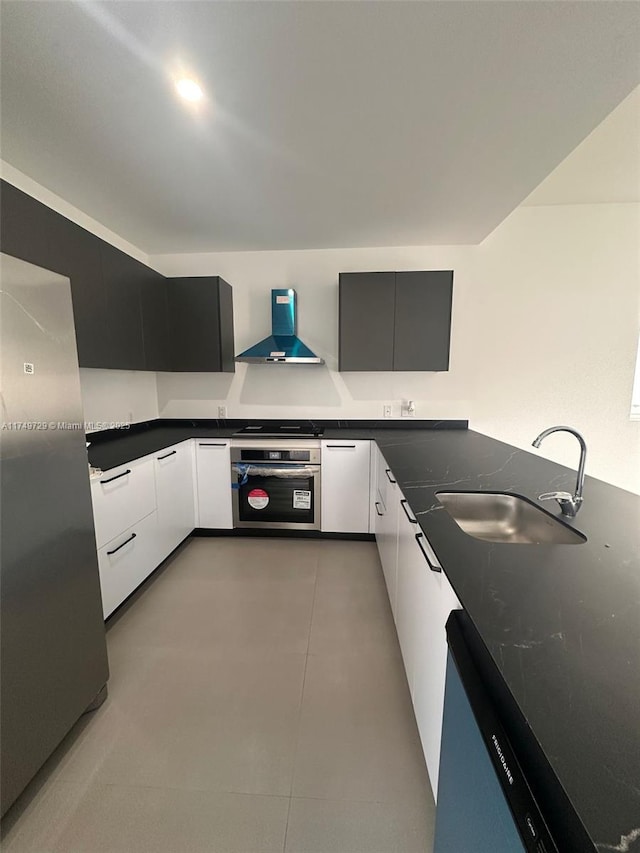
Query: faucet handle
column 559, row 496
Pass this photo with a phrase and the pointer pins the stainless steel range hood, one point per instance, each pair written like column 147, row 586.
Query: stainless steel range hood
column 283, row 346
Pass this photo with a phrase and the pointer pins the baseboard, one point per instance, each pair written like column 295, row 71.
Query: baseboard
column 263, row 533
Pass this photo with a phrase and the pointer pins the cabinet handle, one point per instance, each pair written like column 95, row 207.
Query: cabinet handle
column 434, row 568
column 343, row 446
column 403, row 504
column 117, row 477
column 126, row 541
column 212, row 444
column 387, row 471
column 377, row 510
column 167, row 455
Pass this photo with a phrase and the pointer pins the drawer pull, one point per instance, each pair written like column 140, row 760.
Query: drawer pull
column 117, row 477
column 403, row 503
column 342, row 446
column 167, row 455
column 434, row 567
column 212, row 444
column 126, row 541
column 377, row 504
column 387, row 471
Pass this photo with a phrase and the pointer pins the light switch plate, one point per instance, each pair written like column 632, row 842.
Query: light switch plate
column 387, row 410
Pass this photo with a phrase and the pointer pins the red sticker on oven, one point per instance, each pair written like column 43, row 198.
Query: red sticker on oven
column 257, row 498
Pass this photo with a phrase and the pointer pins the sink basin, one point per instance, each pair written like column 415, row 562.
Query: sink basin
column 501, row 517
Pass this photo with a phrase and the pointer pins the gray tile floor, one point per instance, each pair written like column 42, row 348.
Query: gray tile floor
column 257, row 702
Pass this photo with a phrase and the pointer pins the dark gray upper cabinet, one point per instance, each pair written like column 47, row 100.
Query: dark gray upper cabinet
column 201, row 324
column 367, row 307
column 422, row 320
column 122, row 276
column 154, row 306
column 395, row 320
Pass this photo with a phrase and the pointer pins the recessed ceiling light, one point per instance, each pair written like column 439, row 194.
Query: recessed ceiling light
column 189, row 89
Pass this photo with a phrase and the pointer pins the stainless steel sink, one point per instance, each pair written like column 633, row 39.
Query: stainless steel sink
column 501, row 517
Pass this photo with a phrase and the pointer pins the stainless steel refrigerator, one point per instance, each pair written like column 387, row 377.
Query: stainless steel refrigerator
column 53, row 657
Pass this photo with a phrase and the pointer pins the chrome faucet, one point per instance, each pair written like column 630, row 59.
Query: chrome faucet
column 569, row 504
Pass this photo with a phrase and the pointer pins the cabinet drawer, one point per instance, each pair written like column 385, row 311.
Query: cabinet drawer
column 121, row 497
column 126, row 561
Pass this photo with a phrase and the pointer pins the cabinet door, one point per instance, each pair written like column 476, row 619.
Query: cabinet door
column 122, row 278
column 213, row 474
column 345, row 486
column 201, row 324
column 375, row 508
column 174, row 495
column 422, row 320
column 155, row 321
column 366, row 311
column 437, row 600
column 387, row 537
column 225, row 327
column 89, row 297
column 26, row 228
column 409, row 606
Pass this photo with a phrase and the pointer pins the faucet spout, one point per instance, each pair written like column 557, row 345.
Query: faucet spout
column 569, row 504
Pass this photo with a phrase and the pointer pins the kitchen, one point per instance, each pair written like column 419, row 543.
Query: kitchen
column 530, row 305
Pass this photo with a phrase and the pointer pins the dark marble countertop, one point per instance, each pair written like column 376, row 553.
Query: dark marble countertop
column 560, row 624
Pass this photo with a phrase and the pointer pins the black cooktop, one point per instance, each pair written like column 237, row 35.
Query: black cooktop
column 288, row 430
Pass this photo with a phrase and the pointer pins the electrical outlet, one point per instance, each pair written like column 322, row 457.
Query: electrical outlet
column 387, row 410
column 222, row 411
column 408, row 409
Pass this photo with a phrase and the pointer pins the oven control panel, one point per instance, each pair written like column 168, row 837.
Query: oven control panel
column 285, row 455
column 292, row 452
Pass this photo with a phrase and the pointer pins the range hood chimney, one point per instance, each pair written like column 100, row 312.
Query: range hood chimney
column 283, row 346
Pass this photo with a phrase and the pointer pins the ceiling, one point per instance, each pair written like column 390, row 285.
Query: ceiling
column 326, row 124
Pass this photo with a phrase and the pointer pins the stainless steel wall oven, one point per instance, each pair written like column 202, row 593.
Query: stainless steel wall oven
column 276, row 484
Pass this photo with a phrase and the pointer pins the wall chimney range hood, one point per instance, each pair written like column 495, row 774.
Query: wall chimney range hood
column 283, row 346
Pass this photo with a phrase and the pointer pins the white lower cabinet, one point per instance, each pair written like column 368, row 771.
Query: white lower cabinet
column 126, row 561
column 421, row 599
column 122, row 496
column 174, row 495
column 430, row 665
column 345, row 486
column 387, row 533
column 411, row 607
column 213, row 483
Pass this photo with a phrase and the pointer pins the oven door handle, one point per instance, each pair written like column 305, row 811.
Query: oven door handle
column 285, row 470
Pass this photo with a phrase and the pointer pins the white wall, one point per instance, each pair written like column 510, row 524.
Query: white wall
column 117, row 396
column 545, row 328
column 558, row 300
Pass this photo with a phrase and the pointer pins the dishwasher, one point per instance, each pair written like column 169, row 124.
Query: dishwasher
column 485, row 804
